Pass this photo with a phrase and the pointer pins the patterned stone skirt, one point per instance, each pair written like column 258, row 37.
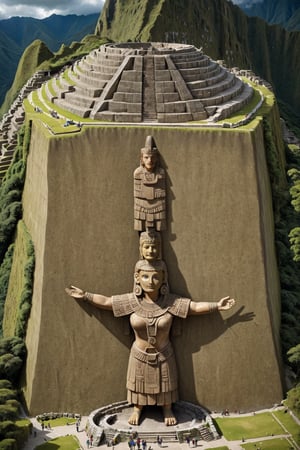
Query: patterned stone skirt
column 152, row 377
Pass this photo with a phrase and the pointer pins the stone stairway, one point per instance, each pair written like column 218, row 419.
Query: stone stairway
column 142, row 82
column 149, row 102
column 14, row 119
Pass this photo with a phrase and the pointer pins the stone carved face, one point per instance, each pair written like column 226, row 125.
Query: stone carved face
column 149, row 160
column 150, row 250
column 150, row 245
column 150, row 281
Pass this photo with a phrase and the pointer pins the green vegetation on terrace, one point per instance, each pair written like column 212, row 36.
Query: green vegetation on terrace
column 60, row 421
column 63, row 443
column 288, row 423
column 272, row 444
column 274, row 424
column 19, row 290
column 258, row 425
column 220, row 448
column 56, row 125
column 67, row 78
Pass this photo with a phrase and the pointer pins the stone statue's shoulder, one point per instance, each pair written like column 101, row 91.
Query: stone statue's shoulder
column 123, row 304
column 179, row 306
column 138, row 172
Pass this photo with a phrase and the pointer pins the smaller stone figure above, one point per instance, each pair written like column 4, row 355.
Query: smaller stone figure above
column 150, row 245
column 149, row 190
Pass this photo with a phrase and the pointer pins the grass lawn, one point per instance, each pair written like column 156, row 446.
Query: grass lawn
column 258, row 425
column 59, row 422
column 63, row 443
column 220, row 448
column 272, row 444
column 289, row 423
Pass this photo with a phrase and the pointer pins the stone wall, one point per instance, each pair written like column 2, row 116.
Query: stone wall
column 78, row 206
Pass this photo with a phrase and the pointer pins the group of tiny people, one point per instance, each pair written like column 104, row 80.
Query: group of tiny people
column 136, row 442
column 89, row 441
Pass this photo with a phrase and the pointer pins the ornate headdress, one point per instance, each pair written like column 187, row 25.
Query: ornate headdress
column 150, row 147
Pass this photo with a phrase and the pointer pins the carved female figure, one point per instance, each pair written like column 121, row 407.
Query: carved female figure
column 151, row 375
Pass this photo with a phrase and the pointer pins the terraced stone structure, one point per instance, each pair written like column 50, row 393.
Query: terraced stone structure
column 156, row 82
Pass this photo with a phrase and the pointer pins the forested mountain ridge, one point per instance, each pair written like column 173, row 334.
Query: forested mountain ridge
column 221, row 28
column 282, row 12
column 17, row 33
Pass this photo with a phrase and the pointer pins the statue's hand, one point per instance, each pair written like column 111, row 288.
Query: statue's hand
column 225, row 303
column 75, row 292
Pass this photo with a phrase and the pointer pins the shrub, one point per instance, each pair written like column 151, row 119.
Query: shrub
column 8, row 444
column 293, row 400
column 9, row 411
column 5, row 269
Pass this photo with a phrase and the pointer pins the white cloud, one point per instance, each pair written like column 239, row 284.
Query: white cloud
column 45, row 8
column 246, row 2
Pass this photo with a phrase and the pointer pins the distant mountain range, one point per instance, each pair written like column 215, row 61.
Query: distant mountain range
column 281, row 12
column 17, row 33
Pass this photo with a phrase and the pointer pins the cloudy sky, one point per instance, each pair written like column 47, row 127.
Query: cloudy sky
column 44, row 8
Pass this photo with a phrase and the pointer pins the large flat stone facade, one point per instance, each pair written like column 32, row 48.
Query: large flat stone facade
column 78, row 207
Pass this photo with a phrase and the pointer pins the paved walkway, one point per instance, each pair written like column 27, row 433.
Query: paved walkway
column 39, row 436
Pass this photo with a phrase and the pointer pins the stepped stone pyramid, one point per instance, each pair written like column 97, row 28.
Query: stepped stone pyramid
column 150, row 82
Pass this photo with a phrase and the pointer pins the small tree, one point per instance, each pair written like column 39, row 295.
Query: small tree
column 294, row 358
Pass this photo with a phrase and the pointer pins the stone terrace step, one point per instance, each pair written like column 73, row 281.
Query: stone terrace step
column 224, row 96
column 87, row 89
column 118, row 117
column 80, row 100
column 197, row 60
column 199, row 84
column 115, row 83
column 200, row 73
column 214, row 89
column 235, row 104
column 74, row 109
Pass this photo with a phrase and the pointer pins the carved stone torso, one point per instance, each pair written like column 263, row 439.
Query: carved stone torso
column 151, row 322
column 149, row 199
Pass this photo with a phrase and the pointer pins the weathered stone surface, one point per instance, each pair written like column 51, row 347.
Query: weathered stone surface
column 78, row 208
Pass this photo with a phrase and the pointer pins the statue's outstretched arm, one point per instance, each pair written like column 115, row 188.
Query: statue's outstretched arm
column 206, row 307
column 100, row 301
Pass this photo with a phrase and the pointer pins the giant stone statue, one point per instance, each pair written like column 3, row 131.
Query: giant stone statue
column 151, row 308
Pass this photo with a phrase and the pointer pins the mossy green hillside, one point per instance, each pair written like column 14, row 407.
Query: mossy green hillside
column 38, row 57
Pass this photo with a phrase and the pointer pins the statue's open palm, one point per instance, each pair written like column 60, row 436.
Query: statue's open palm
column 75, row 292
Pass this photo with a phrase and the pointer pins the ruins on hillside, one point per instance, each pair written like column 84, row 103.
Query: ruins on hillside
column 156, row 82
